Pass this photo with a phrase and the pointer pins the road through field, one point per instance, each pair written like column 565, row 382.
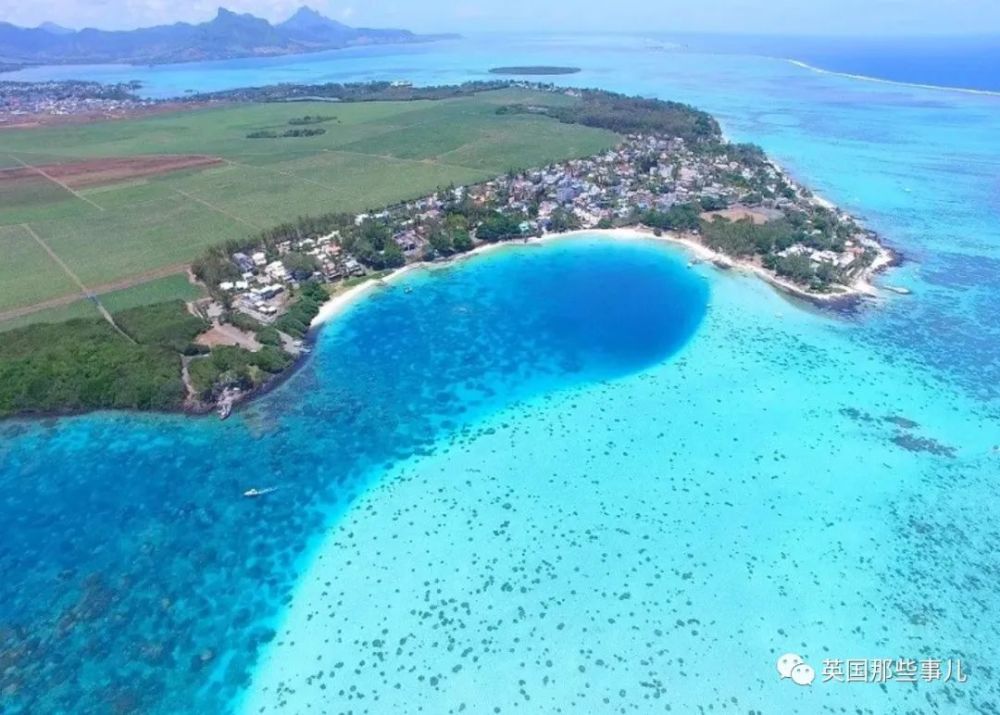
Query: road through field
column 86, row 291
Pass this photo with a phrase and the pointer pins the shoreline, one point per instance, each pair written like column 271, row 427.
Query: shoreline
column 846, row 301
column 861, row 289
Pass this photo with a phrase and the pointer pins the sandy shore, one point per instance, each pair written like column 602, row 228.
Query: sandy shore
column 862, row 288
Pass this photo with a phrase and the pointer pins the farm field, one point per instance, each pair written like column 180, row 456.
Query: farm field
column 26, row 271
column 155, row 192
column 156, row 290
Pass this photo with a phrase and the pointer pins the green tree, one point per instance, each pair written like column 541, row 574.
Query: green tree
column 461, row 241
column 441, row 242
column 301, row 266
column 563, row 220
column 498, row 227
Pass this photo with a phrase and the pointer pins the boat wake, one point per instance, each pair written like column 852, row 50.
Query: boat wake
column 253, row 493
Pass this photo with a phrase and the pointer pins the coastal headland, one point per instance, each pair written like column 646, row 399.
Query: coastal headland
column 602, row 162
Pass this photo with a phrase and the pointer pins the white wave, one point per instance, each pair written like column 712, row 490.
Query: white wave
column 879, row 80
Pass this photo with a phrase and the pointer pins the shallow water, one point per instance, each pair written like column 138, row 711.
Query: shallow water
column 484, row 512
column 656, row 543
column 128, row 546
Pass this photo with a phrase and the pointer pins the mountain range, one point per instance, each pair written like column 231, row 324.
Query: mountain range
column 228, row 35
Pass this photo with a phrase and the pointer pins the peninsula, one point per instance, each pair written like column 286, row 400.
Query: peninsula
column 665, row 170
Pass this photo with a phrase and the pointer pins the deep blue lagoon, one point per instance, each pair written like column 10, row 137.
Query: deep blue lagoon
column 137, row 578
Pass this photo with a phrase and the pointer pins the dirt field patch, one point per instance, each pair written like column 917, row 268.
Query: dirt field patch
column 228, row 335
column 742, row 213
column 100, row 172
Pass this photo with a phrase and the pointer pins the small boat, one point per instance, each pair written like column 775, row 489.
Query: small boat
column 252, row 493
column 225, row 409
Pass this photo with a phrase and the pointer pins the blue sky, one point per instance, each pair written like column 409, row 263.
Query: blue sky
column 845, row 17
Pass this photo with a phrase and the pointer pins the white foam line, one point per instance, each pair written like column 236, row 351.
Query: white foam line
column 878, row 80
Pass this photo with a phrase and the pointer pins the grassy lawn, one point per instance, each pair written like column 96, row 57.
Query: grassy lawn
column 373, row 154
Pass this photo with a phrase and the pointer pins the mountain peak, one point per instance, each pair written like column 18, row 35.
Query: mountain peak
column 305, row 11
column 226, row 18
column 54, row 29
column 309, row 25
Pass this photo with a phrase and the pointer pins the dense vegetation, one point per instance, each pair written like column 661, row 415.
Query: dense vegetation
column 499, row 226
column 168, row 324
column 233, row 367
column 287, row 134
column 631, row 115
column 86, row 364
column 311, row 119
column 372, row 244
column 449, row 237
column 681, row 217
column 769, row 241
column 296, row 321
column 746, row 238
column 300, row 266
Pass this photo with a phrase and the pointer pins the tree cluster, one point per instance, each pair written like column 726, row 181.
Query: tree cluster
column 86, row 364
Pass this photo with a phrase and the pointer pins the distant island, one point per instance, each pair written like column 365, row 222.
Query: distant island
column 228, row 36
column 535, row 70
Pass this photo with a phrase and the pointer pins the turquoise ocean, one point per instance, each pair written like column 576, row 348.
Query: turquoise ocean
column 578, row 477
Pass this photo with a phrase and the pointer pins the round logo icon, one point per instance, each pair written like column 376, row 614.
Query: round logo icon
column 803, row 674
column 787, row 662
